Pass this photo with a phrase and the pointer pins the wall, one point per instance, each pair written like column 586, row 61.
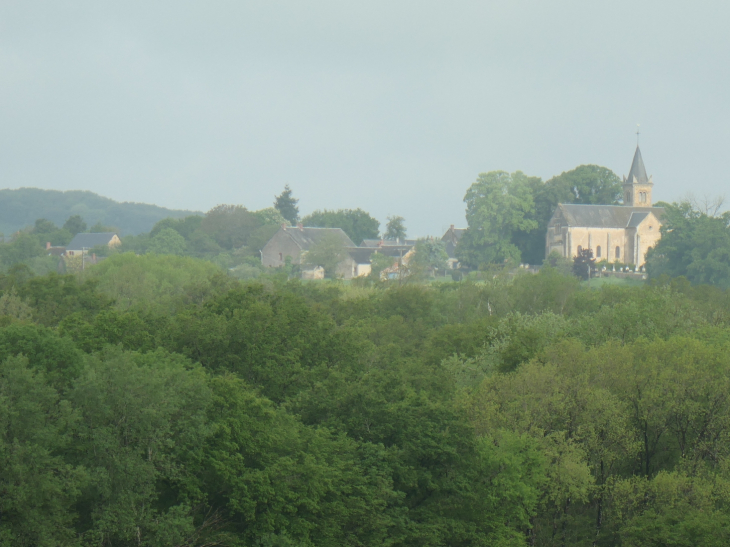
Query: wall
column 274, row 253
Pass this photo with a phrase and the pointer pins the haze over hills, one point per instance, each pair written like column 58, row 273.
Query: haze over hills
column 21, row 207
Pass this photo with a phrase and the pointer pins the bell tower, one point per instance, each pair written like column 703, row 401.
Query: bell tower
column 637, row 187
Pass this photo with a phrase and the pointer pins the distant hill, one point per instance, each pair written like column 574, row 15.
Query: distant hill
column 22, row 207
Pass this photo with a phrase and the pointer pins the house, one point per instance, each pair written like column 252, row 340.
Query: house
column 82, row 243
column 359, row 260
column 451, row 239
column 615, row 233
column 295, row 241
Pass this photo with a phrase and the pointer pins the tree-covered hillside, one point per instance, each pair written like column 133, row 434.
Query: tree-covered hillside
column 22, row 207
column 156, row 401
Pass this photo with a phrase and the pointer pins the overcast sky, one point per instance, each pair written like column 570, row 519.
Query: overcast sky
column 392, row 106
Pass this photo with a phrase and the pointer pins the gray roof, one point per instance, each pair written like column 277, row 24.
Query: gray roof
column 606, row 216
column 87, row 241
column 306, row 237
column 638, row 171
column 387, row 242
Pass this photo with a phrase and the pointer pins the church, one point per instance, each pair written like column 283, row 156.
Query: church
column 615, row 233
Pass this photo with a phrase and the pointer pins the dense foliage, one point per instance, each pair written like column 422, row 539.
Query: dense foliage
column 694, row 244
column 356, row 223
column 507, row 214
column 155, row 400
column 20, row 208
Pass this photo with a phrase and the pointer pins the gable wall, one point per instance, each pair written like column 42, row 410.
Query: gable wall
column 274, row 253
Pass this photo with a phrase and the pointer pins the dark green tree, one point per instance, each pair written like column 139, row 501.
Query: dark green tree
column 694, row 244
column 583, row 263
column 43, row 226
column 395, row 228
column 286, row 204
column 75, row 224
column 356, row 223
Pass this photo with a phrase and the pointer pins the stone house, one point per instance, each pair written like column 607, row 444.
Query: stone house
column 615, row 233
column 82, row 243
column 451, row 240
column 295, row 241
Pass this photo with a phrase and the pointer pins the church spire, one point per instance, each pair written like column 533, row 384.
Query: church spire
column 637, row 175
column 637, row 187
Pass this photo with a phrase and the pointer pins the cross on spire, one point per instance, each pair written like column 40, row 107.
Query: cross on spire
column 637, row 134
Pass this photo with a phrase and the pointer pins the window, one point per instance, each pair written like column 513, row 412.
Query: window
column 598, row 252
column 281, row 257
column 628, row 197
column 579, row 249
column 618, row 252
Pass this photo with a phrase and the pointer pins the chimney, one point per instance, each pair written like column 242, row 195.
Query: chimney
column 48, row 245
column 300, row 226
column 452, row 227
column 380, row 243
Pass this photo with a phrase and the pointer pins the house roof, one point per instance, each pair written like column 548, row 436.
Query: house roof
column 305, row 237
column 388, row 242
column 606, row 216
column 637, row 175
column 87, row 241
column 451, row 239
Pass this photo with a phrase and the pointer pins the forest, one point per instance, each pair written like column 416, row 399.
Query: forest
column 178, row 394
column 155, row 400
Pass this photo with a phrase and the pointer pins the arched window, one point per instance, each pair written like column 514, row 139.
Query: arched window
column 618, row 251
column 598, row 252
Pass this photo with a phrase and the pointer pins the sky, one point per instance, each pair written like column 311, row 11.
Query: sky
column 391, row 106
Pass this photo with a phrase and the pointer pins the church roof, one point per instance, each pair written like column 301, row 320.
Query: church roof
column 606, row 216
column 638, row 171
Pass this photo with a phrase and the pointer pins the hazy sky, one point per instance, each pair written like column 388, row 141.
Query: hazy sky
column 393, row 106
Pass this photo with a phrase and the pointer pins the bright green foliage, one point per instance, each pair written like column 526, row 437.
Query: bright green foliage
column 356, row 223
column 497, row 205
column 38, row 487
column 286, row 204
column 155, row 401
column 694, row 245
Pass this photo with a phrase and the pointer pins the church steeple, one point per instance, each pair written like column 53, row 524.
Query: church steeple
column 637, row 187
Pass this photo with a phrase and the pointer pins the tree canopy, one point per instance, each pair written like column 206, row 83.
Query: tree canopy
column 286, row 204
column 356, row 223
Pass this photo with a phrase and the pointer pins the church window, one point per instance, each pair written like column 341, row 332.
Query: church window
column 618, row 251
column 598, row 252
